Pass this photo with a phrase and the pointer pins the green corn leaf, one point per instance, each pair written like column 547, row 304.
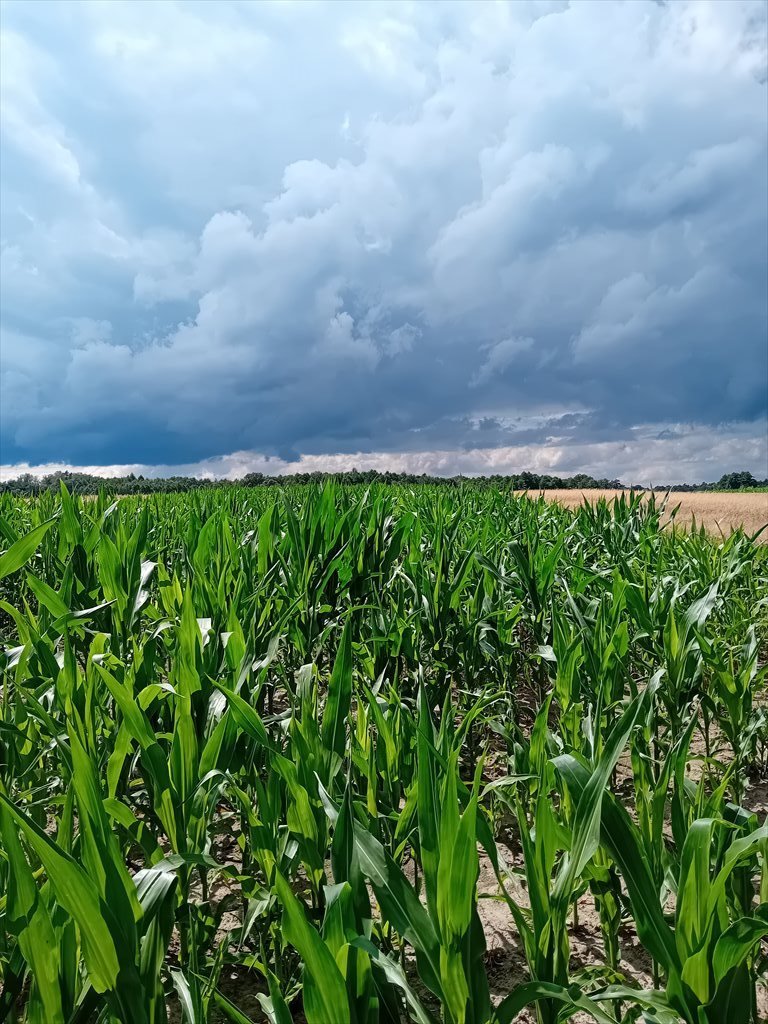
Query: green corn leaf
column 536, row 991
column 400, row 905
column 80, row 898
column 586, row 836
column 345, row 861
column 100, row 852
column 27, row 917
column 47, row 596
column 231, row 1012
column 739, row 850
column 395, row 976
column 692, row 895
column 459, row 863
column 246, row 717
column 655, row 1001
column 427, row 803
column 736, row 943
column 154, row 758
column 622, row 839
column 192, row 1012
column 325, row 994
column 339, row 696
column 20, row 552
column 274, row 1005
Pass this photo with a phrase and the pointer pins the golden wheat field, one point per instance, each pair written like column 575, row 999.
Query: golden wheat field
column 716, row 511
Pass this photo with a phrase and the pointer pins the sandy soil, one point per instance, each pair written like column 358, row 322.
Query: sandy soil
column 718, row 512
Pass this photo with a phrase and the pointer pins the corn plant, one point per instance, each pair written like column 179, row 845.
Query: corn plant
column 283, row 733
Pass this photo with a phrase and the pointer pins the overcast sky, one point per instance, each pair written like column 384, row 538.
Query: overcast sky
column 441, row 237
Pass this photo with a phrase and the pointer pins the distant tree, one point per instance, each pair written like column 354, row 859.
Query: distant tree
column 84, row 483
column 735, row 481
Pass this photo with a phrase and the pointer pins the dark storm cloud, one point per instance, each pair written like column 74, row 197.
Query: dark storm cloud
column 304, row 230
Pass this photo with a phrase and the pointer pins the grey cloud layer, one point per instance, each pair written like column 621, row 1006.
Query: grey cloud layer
column 678, row 453
column 304, row 230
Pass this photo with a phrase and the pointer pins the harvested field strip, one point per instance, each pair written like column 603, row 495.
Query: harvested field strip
column 718, row 512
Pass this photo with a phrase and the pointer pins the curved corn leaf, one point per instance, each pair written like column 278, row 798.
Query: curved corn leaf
column 20, row 552
column 325, row 994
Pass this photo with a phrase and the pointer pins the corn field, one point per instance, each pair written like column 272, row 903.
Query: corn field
column 258, row 746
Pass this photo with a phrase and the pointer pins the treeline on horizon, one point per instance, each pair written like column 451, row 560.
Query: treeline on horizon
column 87, row 483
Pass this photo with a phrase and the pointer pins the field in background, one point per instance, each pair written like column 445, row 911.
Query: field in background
column 716, row 511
